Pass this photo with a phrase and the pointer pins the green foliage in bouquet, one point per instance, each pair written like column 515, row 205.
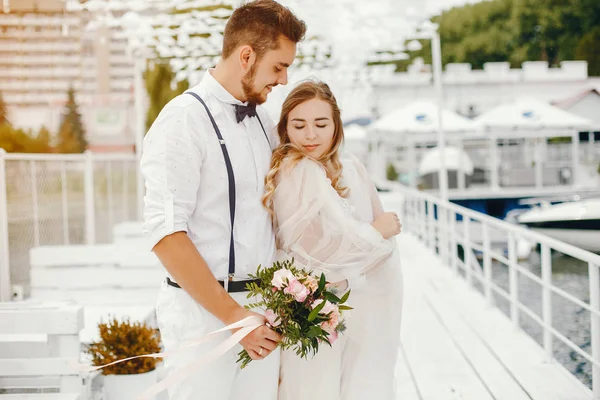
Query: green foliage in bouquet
column 303, row 310
column 119, row 340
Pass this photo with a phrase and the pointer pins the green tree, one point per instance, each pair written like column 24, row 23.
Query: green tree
column 68, row 142
column 159, row 85
column 3, row 112
column 588, row 49
column 517, row 31
column 20, row 141
column 391, row 173
column 71, row 136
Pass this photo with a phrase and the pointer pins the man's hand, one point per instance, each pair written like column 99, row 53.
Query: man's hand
column 260, row 342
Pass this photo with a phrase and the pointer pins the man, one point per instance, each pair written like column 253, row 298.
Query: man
column 204, row 163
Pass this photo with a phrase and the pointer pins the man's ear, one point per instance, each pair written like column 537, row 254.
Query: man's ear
column 247, row 57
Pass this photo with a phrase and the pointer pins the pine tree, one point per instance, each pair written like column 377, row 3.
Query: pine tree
column 68, row 141
column 71, row 135
column 3, row 112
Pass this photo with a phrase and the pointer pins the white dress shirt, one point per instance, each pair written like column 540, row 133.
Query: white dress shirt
column 186, row 179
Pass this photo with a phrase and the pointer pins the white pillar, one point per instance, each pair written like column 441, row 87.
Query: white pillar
column 413, row 168
column 575, row 156
column 461, row 172
column 539, row 171
column 436, row 51
column 5, row 291
column 88, row 193
column 140, row 129
column 493, row 147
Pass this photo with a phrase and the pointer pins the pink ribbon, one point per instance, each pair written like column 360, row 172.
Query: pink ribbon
column 246, row 326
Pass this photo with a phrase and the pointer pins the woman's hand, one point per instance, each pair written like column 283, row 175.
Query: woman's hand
column 388, row 224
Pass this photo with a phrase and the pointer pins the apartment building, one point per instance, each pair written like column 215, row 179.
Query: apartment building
column 45, row 49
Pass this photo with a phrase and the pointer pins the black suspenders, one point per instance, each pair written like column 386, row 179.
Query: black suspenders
column 231, row 179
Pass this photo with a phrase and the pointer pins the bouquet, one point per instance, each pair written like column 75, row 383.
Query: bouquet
column 300, row 307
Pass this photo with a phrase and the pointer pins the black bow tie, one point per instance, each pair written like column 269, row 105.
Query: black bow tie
column 242, row 112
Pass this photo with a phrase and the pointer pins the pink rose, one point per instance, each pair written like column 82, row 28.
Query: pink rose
column 327, row 308
column 328, row 327
column 282, row 276
column 296, row 289
column 272, row 318
column 311, row 283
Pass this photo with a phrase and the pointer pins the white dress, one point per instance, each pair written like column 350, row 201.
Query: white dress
column 328, row 233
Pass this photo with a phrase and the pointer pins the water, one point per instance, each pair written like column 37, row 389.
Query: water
column 571, row 320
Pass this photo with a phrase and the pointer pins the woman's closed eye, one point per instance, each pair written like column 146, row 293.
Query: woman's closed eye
column 321, row 126
column 299, row 127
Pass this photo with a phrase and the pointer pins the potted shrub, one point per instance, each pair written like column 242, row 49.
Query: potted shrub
column 119, row 340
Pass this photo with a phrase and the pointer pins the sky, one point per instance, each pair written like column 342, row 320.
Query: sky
column 437, row 6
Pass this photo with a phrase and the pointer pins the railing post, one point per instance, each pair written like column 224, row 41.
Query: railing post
column 467, row 249
column 487, row 263
column 65, row 202
column 442, row 219
column 5, row 287
column 594, row 273
column 109, row 198
column 90, row 209
column 422, row 220
column 513, row 281
column 34, row 201
column 453, row 242
column 125, row 191
column 547, row 299
column 431, row 234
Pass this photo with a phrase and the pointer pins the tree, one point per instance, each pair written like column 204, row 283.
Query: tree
column 517, row 31
column 159, row 85
column 391, row 173
column 71, row 135
column 20, row 141
column 68, row 142
column 3, row 112
column 588, row 49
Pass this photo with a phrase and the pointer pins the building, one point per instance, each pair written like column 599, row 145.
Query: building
column 471, row 92
column 44, row 49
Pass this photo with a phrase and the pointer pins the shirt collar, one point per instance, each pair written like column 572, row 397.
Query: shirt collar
column 217, row 90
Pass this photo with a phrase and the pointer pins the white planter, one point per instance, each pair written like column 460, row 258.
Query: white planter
column 127, row 387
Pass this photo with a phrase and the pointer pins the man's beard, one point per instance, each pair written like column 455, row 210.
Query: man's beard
column 252, row 96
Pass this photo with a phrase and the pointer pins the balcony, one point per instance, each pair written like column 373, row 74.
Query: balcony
column 56, row 47
column 29, row 73
column 120, row 72
column 33, row 20
column 40, row 60
column 36, row 85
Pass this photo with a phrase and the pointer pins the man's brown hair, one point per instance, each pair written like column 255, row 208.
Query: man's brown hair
column 260, row 24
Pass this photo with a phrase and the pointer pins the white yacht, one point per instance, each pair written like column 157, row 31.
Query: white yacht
column 576, row 223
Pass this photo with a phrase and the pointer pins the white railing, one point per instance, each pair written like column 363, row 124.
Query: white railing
column 59, row 199
column 444, row 226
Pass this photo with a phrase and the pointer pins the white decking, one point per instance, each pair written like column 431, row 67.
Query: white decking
column 456, row 347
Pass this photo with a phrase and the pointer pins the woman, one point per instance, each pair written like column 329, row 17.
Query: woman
column 328, row 217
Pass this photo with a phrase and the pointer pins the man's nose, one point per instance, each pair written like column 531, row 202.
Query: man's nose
column 283, row 77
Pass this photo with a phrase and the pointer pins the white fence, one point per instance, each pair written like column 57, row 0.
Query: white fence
column 54, row 199
column 444, row 227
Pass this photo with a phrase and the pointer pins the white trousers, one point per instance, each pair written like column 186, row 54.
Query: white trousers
column 361, row 364
column 180, row 319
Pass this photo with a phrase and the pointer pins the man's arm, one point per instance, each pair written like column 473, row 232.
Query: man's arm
column 184, row 263
column 171, row 161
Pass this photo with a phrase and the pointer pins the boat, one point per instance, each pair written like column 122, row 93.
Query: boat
column 573, row 222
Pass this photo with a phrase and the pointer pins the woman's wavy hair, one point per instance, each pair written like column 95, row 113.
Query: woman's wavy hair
column 290, row 154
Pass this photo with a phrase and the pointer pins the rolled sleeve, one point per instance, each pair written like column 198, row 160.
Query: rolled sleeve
column 170, row 165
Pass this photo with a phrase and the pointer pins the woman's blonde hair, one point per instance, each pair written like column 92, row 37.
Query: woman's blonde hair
column 287, row 152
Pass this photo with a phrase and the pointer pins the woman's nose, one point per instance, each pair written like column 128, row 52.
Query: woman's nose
column 311, row 133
